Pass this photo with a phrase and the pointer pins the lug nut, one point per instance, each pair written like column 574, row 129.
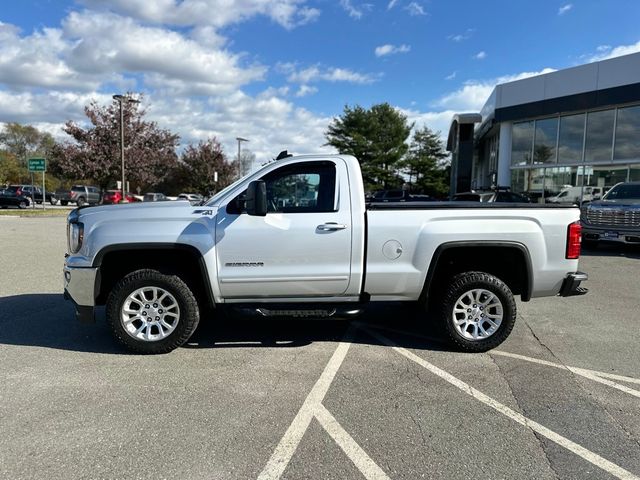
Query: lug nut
column 160, row 311
column 147, row 306
column 144, row 314
column 155, row 305
column 157, row 318
column 468, row 310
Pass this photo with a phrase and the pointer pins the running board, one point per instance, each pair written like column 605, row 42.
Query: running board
column 336, row 313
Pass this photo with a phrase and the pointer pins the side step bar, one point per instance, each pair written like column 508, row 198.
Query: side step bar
column 290, row 311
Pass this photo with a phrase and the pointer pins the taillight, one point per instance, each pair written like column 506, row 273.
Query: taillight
column 574, row 239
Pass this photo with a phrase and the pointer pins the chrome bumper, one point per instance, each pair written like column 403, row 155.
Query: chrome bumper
column 79, row 287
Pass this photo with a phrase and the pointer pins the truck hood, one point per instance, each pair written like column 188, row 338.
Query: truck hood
column 169, row 223
column 138, row 209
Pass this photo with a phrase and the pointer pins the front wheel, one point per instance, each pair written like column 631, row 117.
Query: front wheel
column 81, row 202
column 64, row 203
column 479, row 311
column 53, row 201
column 23, row 204
column 150, row 312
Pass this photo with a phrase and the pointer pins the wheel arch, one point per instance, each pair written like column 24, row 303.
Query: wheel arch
column 115, row 261
column 454, row 257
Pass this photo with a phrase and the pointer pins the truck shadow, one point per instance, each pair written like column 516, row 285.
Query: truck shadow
column 48, row 321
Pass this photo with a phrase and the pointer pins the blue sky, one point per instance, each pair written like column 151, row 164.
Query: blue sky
column 277, row 71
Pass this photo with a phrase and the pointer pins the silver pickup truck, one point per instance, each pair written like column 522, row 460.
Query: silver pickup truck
column 297, row 238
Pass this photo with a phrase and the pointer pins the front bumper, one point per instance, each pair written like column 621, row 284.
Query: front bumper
column 571, row 285
column 80, row 288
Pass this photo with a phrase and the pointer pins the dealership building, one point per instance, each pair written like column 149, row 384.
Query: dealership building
column 578, row 127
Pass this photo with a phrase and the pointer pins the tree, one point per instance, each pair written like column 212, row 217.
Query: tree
column 19, row 143
column 150, row 154
column 376, row 137
column 10, row 171
column 425, row 164
column 202, row 161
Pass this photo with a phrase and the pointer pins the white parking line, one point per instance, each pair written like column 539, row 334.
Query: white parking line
column 579, row 450
column 349, row 446
column 312, row 407
column 600, row 377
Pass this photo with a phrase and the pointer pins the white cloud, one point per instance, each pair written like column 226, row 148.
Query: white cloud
column 305, row 90
column 355, row 11
column 480, row 55
column 107, row 42
column 460, row 37
column 565, row 8
column 388, row 49
column 451, row 76
column 473, row 94
column 415, row 9
column 317, row 73
column 216, row 13
column 604, row 52
column 392, row 4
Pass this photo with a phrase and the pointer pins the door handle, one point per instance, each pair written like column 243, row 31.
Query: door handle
column 330, row 226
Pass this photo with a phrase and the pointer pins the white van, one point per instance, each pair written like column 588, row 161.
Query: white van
column 573, row 194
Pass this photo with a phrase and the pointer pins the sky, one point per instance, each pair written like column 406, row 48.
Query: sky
column 277, row 71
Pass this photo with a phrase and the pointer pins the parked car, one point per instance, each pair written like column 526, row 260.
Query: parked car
column 192, row 198
column 8, row 198
column 574, row 194
column 386, row 196
column 614, row 218
column 35, row 193
column 154, row 197
column 255, row 248
column 500, row 195
column 114, row 196
column 79, row 194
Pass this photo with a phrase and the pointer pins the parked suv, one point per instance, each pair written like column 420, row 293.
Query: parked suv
column 615, row 218
column 154, row 197
column 80, row 195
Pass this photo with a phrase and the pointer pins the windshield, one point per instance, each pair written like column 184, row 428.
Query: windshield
column 224, row 191
column 624, row 191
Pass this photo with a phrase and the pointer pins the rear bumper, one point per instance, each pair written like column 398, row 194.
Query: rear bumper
column 571, row 285
column 79, row 287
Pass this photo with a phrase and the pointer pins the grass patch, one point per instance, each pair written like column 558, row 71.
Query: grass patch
column 38, row 212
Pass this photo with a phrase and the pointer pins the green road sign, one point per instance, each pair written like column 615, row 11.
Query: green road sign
column 37, row 165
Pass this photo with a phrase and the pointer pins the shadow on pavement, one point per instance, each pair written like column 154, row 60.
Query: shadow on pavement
column 610, row 249
column 48, row 321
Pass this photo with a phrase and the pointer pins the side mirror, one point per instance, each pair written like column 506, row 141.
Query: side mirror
column 256, row 200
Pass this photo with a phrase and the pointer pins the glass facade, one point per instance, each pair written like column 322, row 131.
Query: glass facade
column 574, row 157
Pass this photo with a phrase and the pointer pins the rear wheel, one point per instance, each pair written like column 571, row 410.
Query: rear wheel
column 81, row 202
column 22, row 204
column 150, row 312
column 479, row 311
column 53, row 201
column 64, row 203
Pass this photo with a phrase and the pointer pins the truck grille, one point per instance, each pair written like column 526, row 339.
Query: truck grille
column 614, row 217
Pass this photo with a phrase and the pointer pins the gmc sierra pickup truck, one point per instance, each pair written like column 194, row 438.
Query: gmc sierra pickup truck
column 296, row 238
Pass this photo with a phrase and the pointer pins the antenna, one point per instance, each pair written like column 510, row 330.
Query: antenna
column 283, row 154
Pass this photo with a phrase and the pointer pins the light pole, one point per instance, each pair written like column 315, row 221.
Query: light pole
column 120, row 99
column 240, row 140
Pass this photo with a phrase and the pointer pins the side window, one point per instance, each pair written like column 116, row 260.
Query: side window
column 300, row 188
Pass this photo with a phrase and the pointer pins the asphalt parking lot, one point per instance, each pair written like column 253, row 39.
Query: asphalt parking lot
column 382, row 397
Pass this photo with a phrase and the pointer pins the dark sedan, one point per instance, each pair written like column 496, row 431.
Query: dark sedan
column 8, row 198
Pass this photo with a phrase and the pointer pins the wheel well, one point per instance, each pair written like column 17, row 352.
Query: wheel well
column 510, row 263
column 187, row 263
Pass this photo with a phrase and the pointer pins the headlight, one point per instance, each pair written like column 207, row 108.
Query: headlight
column 75, row 236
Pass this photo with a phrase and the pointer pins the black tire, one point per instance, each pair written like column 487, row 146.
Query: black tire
column 187, row 321
column 81, row 202
column 465, row 282
column 22, row 204
column 64, row 203
column 53, row 201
